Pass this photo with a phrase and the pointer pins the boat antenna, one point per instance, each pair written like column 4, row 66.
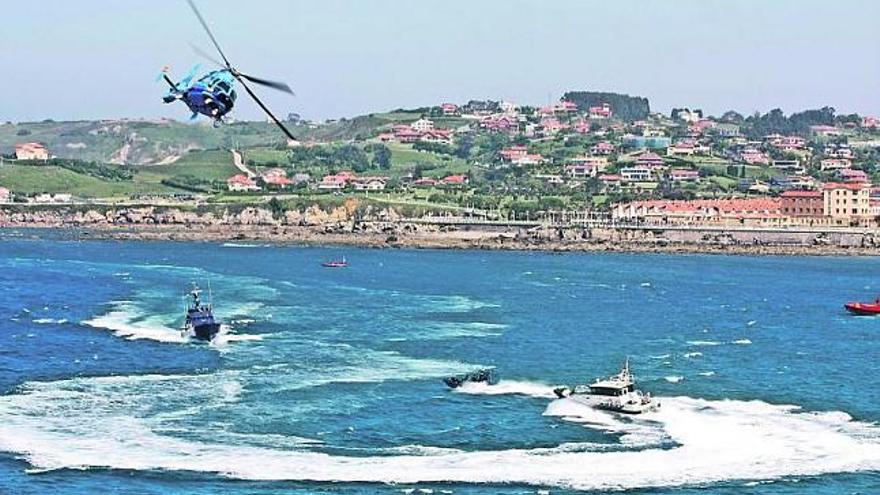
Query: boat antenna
column 210, row 294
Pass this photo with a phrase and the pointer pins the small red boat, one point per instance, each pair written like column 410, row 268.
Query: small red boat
column 860, row 308
column 335, row 264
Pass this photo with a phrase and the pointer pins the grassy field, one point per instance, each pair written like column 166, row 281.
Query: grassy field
column 209, row 165
column 29, row 179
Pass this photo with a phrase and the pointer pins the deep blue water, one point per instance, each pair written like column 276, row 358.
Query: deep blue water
column 328, row 380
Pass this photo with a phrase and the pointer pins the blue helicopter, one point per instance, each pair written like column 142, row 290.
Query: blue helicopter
column 213, row 94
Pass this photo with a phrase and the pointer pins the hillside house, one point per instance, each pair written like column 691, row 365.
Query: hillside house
column 31, row 151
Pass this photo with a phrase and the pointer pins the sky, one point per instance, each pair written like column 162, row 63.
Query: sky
column 88, row 59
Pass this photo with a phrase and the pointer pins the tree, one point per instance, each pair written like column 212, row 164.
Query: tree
column 382, row 156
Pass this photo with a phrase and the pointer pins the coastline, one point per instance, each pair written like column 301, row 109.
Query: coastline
column 486, row 240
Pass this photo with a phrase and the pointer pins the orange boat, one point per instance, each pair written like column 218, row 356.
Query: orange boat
column 864, row 309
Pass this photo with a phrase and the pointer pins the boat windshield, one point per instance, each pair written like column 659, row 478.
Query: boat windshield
column 611, row 391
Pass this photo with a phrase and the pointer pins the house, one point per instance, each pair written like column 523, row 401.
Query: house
column 52, row 198
column 519, row 155
column 449, row 109
column 825, row 130
column 851, row 175
column 603, row 148
column 406, row 134
column 701, row 126
column 454, row 180
column 838, row 151
column 635, row 174
column 370, row 183
column 552, row 125
column 788, row 143
column 847, row 203
column 601, row 112
column 650, row 160
column 870, row 123
column 513, row 152
column 686, row 114
column 5, row 195
column 241, row 183
column 502, row 123
column 425, row 182
column 581, row 127
column 422, row 125
column 586, row 166
column 275, row 178
column 686, row 147
column 726, row 129
column 31, row 151
column 336, row 182
column 789, row 166
column 835, row 164
column 753, row 156
column 683, row 175
column 442, row 136
column 609, row 181
column 566, row 106
column 797, row 203
column 788, row 182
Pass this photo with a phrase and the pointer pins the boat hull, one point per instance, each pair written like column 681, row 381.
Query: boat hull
column 626, row 405
column 863, row 309
column 205, row 332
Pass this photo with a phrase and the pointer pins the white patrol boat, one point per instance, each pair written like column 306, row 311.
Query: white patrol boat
column 617, row 393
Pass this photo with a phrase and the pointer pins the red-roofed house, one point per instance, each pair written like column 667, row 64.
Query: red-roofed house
column 454, row 180
column 852, row 175
column 650, row 160
column 449, row 109
column 31, row 151
column 275, row 178
column 425, row 182
column 336, row 182
column 603, row 148
column 241, row 183
column 752, row 156
column 870, row 123
column 601, row 112
column 685, row 147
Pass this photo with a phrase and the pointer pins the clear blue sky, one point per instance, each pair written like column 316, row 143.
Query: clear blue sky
column 99, row 58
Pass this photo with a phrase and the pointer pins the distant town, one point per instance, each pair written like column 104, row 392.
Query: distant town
column 600, row 154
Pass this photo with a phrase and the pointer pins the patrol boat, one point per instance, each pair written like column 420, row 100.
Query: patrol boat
column 200, row 322
column 617, row 393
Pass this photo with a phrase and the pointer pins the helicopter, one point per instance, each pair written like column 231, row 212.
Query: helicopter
column 213, row 94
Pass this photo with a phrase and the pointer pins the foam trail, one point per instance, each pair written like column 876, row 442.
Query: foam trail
column 87, row 423
column 124, row 322
column 508, row 387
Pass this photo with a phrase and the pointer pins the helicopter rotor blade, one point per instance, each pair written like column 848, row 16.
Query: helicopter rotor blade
column 263, row 106
column 205, row 55
column 280, row 86
column 208, row 30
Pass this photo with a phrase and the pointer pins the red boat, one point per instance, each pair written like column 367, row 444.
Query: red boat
column 860, row 308
column 335, row 264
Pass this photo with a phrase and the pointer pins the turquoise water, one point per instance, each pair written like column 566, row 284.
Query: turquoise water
column 328, row 381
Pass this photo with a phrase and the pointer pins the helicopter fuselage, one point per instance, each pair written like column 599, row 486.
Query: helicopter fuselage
column 213, row 95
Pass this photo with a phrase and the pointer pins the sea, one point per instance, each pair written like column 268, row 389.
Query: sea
column 330, row 380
